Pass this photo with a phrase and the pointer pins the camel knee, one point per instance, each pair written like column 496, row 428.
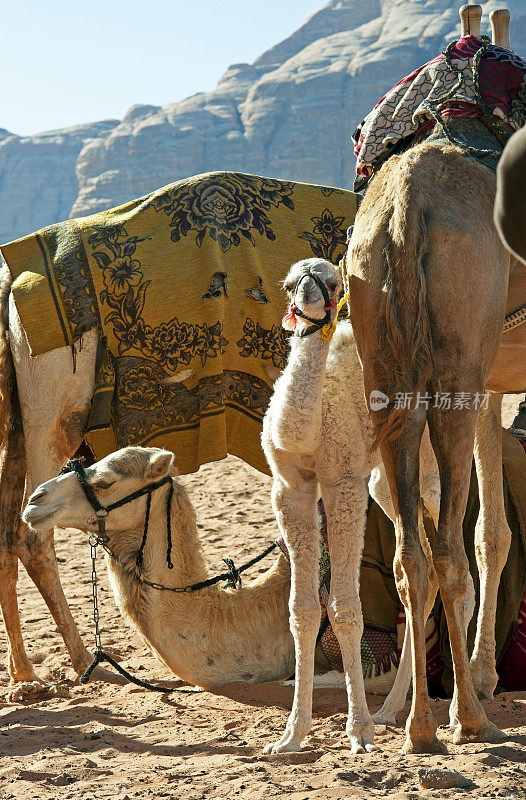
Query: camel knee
column 8, row 570
column 36, row 550
column 410, row 571
column 304, row 615
column 70, row 432
column 346, row 614
column 452, row 574
column 491, row 549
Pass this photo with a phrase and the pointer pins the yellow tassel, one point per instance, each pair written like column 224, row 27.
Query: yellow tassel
column 327, row 332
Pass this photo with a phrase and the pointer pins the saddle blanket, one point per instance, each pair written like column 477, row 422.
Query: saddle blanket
column 185, row 287
column 489, row 74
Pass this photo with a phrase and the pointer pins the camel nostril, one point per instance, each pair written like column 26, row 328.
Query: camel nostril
column 37, row 496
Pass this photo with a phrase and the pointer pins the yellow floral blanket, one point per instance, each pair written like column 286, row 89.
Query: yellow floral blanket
column 184, row 285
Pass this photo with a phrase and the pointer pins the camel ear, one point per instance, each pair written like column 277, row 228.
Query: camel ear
column 159, row 465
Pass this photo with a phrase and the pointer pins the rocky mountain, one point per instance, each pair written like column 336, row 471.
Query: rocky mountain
column 289, row 115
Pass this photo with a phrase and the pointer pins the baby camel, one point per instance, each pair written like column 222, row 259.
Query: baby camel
column 316, row 436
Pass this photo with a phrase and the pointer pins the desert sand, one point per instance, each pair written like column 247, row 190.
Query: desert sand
column 102, row 741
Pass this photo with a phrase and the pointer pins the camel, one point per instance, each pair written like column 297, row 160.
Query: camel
column 231, row 641
column 242, row 635
column 316, row 439
column 428, row 279
column 412, row 335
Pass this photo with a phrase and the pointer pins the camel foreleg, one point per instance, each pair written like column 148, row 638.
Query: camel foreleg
column 294, row 502
column 54, row 403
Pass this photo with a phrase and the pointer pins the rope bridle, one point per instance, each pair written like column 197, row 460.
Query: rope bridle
column 326, row 324
column 76, row 465
column 233, row 576
column 329, row 305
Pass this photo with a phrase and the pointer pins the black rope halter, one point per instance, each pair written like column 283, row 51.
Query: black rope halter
column 317, row 324
column 76, row 465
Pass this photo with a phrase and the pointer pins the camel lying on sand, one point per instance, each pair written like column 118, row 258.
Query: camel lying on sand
column 241, row 635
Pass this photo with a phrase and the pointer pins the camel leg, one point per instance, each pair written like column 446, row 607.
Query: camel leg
column 19, row 666
column 294, row 502
column 401, row 460
column 54, row 403
column 379, row 490
column 12, row 480
column 345, row 505
column 452, row 434
column 492, row 543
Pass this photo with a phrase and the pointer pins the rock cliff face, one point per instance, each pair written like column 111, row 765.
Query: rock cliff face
column 288, row 115
column 38, row 184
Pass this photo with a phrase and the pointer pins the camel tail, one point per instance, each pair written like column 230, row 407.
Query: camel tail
column 406, row 356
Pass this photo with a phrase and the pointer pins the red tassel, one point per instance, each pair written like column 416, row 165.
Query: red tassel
column 289, row 321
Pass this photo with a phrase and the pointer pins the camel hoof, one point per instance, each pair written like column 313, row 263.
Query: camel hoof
column 361, row 737
column 101, row 674
column 281, row 747
column 485, row 680
column 433, row 745
column 34, row 691
column 360, row 747
column 488, row 732
column 384, row 717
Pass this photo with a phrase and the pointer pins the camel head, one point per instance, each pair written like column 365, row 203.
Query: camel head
column 62, row 502
column 307, row 296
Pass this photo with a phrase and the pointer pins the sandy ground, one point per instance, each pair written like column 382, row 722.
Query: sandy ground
column 104, row 741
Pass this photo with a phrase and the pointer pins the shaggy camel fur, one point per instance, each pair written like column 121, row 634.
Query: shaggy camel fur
column 428, row 282
column 307, row 451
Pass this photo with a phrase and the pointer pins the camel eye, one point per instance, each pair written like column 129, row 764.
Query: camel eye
column 102, row 484
column 331, row 286
column 289, row 287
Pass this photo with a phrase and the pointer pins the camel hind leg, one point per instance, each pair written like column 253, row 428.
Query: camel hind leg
column 345, row 505
column 452, row 435
column 401, row 460
column 430, row 492
column 492, row 543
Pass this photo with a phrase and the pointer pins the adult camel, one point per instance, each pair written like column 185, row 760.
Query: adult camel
column 428, row 279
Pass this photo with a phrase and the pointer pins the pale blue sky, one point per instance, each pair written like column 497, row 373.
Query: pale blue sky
column 63, row 62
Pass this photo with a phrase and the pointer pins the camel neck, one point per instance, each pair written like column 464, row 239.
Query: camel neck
column 297, row 399
column 196, row 633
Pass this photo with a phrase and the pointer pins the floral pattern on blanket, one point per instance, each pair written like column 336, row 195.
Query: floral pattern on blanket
column 226, row 205
column 171, row 343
